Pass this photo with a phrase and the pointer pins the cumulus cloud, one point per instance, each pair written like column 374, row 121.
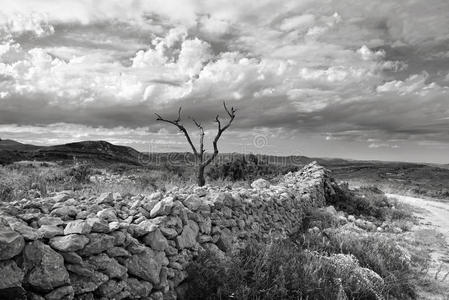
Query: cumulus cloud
column 320, row 68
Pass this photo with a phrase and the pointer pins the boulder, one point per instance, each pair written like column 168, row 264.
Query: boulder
column 85, row 279
column 44, row 267
column 260, row 184
column 49, row 231
column 105, row 198
column 224, row 243
column 145, row 265
column 77, row 226
column 72, row 258
column 11, row 243
column 98, row 225
column 69, row 243
column 98, row 242
column 193, row 202
column 107, row 265
column 114, row 289
column 187, row 239
column 156, row 240
column 61, row 293
column 50, row 221
column 163, row 207
column 11, row 275
column 139, row 288
column 108, row 214
column 65, row 212
column 29, row 233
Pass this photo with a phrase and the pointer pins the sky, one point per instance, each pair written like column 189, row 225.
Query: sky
column 321, row 78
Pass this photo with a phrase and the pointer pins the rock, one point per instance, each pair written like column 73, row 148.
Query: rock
column 69, row 243
column 260, row 184
column 351, row 218
column 107, row 214
column 108, row 266
column 187, row 239
column 71, row 258
column 98, row 242
column 85, row 280
column 113, row 289
column 11, row 243
column 11, row 276
column 29, row 233
column 145, row 266
column 168, row 232
column 156, row 240
column 98, row 225
column 225, row 241
column 113, row 226
column 117, row 251
column 44, row 267
column 105, row 198
column 330, row 210
column 163, row 207
column 77, row 226
column 65, row 212
column 139, row 288
column 151, row 225
column 49, row 231
column 193, row 202
column 61, row 293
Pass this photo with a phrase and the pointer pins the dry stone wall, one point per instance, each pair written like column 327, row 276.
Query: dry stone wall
column 137, row 247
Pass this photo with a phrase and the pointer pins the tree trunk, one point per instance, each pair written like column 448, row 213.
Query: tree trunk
column 200, row 176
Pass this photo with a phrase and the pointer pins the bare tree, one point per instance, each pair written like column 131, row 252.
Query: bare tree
column 201, row 160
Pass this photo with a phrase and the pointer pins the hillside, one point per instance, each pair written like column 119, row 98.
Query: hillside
column 92, row 151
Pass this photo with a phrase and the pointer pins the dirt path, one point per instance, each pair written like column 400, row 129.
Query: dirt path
column 432, row 233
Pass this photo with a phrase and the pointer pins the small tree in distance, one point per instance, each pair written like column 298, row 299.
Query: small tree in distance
column 201, row 161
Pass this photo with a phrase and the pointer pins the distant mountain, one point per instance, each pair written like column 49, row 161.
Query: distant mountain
column 96, row 151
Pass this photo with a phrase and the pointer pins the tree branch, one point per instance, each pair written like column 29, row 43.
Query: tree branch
column 180, row 127
column 231, row 114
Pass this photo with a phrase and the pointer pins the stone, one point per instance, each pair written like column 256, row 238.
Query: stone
column 117, row 251
column 260, row 184
column 187, row 239
column 113, row 289
column 98, row 242
column 29, row 233
column 145, row 266
column 11, row 275
column 156, row 240
column 113, row 226
column 151, row 224
column 61, row 293
column 85, row 280
column 163, row 207
column 11, row 243
column 71, row 258
column 44, row 267
column 168, row 232
column 108, row 214
column 105, row 198
column 224, row 243
column 98, row 225
column 65, row 212
column 49, row 231
column 139, row 288
column 69, row 243
column 193, row 202
column 107, row 265
column 77, row 226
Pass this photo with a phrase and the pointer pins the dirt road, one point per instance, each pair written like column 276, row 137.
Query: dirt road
column 432, row 233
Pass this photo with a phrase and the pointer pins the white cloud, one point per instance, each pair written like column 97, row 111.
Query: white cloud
column 298, row 22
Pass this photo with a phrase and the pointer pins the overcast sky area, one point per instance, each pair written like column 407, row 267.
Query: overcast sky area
column 321, row 78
